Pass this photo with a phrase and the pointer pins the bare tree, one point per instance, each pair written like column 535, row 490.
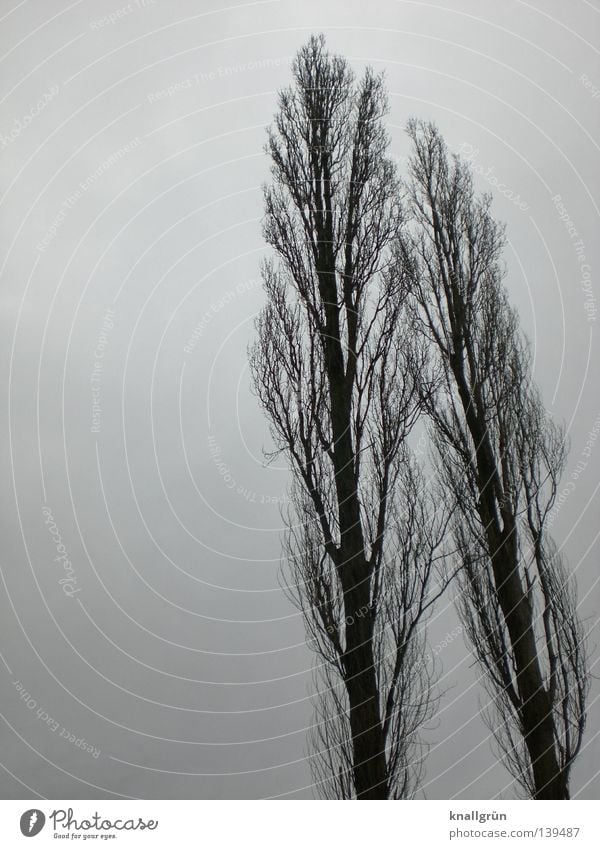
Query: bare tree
column 499, row 458
column 332, row 375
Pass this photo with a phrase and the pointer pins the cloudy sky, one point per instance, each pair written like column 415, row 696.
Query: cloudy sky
column 147, row 649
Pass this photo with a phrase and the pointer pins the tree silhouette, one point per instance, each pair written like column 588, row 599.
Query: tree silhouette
column 339, row 389
column 499, row 458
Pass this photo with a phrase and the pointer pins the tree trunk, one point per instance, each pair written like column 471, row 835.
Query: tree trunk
column 369, row 761
column 536, row 708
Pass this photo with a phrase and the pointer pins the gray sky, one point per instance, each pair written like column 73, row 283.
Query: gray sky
column 131, row 159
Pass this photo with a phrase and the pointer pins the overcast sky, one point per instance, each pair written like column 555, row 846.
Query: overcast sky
column 147, row 648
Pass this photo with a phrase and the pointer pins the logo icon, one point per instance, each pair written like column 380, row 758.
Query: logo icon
column 32, row 822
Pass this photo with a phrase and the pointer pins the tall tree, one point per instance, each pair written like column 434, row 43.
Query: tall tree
column 499, row 458
column 334, row 379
